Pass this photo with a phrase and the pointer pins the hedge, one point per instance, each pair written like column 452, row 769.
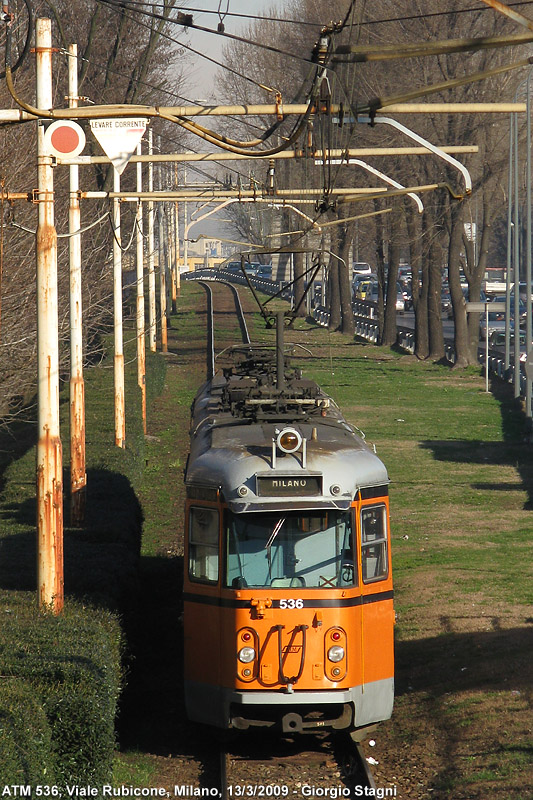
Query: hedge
column 60, row 676
column 60, row 685
column 25, row 736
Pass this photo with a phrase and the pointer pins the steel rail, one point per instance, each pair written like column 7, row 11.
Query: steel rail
column 210, row 346
column 245, row 336
column 355, row 769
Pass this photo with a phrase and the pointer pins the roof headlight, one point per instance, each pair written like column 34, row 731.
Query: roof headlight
column 246, row 655
column 289, row 440
column 336, row 653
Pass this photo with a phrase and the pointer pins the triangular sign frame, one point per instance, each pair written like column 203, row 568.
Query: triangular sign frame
column 118, row 137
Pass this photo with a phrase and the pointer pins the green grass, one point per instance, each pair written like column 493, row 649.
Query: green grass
column 133, row 769
column 461, row 493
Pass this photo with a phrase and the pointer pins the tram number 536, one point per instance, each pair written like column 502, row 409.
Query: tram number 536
column 291, row 603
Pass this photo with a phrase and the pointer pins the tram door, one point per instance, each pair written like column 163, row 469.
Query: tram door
column 201, row 595
column 378, row 613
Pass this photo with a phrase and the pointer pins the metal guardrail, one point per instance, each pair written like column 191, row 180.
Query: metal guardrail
column 266, row 286
column 366, row 324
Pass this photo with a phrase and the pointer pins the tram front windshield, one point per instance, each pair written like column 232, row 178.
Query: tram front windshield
column 289, row 549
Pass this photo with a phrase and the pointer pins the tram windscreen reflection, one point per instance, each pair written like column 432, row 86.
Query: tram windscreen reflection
column 289, row 549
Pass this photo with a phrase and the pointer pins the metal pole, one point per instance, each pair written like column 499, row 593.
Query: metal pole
column 507, row 361
column 168, row 260
column 162, row 281
column 120, row 415
column 177, row 234
column 78, row 475
column 162, row 271
column 344, row 155
column 528, row 248
column 280, row 345
column 50, row 587
column 185, row 234
column 516, row 265
column 141, row 345
column 487, row 346
column 173, row 248
column 151, row 255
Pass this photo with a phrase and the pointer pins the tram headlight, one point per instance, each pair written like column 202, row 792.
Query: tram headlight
column 246, row 654
column 336, row 653
column 289, row 440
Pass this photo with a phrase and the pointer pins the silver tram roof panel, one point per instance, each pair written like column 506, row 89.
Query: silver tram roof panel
column 235, row 423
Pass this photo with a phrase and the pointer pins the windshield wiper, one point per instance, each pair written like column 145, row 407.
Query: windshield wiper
column 277, row 528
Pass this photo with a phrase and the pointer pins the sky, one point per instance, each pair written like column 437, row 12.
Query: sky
column 200, row 81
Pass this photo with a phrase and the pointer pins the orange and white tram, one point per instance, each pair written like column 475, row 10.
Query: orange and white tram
column 288, row 598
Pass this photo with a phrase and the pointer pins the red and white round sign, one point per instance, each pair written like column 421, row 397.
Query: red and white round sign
column 64, row 138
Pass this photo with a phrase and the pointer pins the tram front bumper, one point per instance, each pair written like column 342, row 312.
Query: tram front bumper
column 227, row 708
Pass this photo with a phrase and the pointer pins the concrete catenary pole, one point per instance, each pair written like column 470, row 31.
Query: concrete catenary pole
column 162, row 280
column 49, row 453
column 162, row 268
column 78, row 476
column 185, row 238
column 120, row 415
column 173, row 245
column 141, row 346
column 151, row 255
column 177, row 234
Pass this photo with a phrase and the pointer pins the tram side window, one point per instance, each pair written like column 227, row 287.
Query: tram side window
column 203, row 545
column 374, row 543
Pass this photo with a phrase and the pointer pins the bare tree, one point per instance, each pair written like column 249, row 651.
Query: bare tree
column 130, row 63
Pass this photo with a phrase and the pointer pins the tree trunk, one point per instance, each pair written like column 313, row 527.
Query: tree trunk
column 419, row 303
column 299, row 281
column 380, row 259
column 462, row 350
column 436, row 337
column 334, row 295
column 345, row 233
column 390, row 331
column 348, row 322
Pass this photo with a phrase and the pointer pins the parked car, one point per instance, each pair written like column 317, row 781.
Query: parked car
column 251, row 269
column 407, row 293
column 482, row 299
column 404, row 274
column 497, row 339
column 264, row 272
column 400, row 302
column 496, row 322
column 363, row 288
column 234, row 267
column 361, row 268
column 445, row 301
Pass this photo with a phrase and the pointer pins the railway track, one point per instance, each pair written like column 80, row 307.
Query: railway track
column 260, row 763
column 265, row 765
column 211, row 347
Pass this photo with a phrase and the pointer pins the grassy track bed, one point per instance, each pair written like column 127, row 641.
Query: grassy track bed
column 461, row 487
column 461, row 492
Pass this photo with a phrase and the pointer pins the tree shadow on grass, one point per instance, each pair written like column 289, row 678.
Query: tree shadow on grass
column 16, row 439
column 456, row 677
column 100, row 558
column 513, row 451
column 152, row 714
column 496, row 659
